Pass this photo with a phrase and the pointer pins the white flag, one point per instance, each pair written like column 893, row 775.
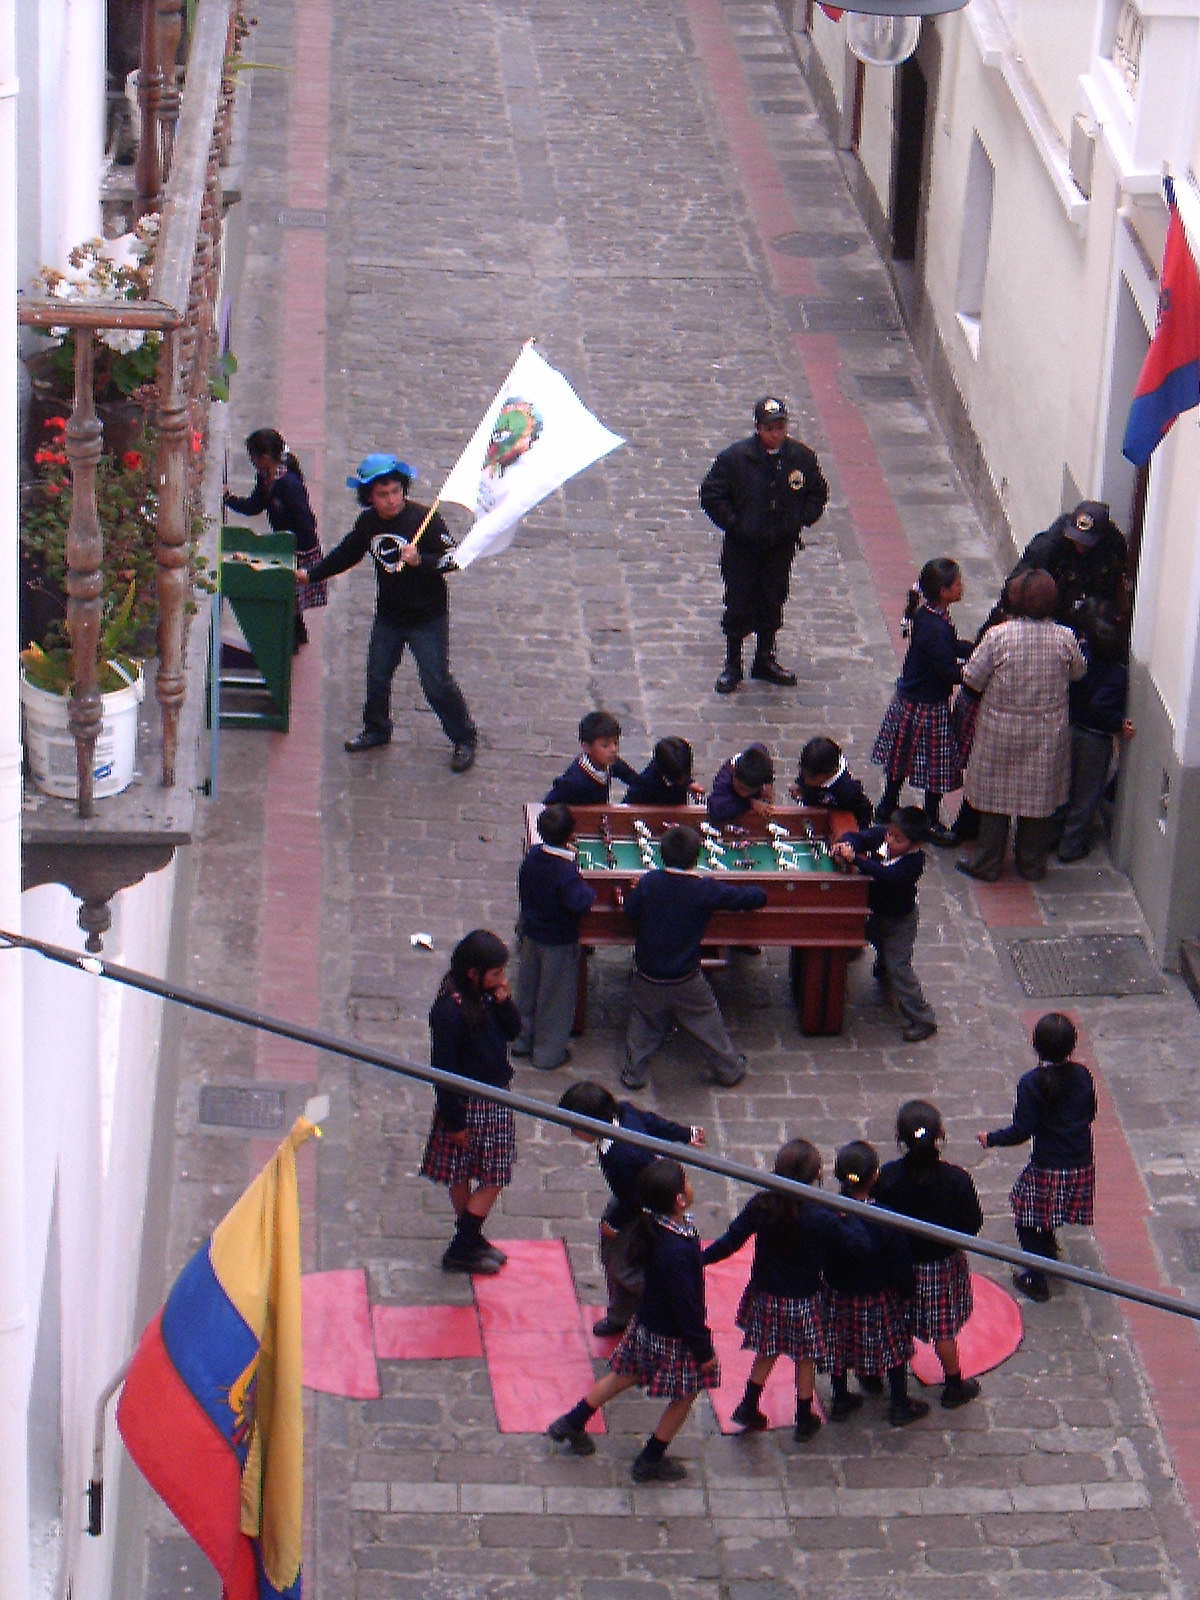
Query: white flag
column 537, row 433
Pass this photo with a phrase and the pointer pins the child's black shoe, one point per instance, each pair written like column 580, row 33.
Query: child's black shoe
column 581, row 1443
column 960, row 1393
column 1033, row 1285
column 902, row 1412
column 870, row 1382
column 807, row 1427
column 668, row 1470
column 843, row 1405
column 477, row 1259
column 749, row 1416
column 494, row 1251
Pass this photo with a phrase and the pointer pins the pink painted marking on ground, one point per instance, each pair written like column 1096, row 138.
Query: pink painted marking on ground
column 426, row 1333
column 992, row 1333
column 339, row 1352
column 724, row 1283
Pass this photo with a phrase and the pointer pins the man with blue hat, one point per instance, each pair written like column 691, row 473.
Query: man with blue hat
column 410, row 549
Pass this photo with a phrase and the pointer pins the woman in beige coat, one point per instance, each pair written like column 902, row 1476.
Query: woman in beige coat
column 1021, row 759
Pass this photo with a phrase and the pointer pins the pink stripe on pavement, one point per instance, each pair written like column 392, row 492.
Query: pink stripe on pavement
column 339, row 1352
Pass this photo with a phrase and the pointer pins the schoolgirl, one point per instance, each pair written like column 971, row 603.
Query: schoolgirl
column 472, row 1141
column 869, row 1277
column 916, row 741
column 1055, row 1107
column 667, row 1348
column 780, row 1312
column 282, row 493
column 920, row 1184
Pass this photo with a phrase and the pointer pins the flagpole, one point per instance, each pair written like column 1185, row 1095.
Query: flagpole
column 429, row 516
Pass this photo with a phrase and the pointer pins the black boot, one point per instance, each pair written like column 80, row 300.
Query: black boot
column 766, row 669
column 731, row 672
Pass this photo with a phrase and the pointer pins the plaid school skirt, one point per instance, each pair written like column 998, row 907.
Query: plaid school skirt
column 1048, row 1197
column 775, row 1325
column 488, row 1159
column 964, row 714
column 917, row 742
column 311, row 595
column 943, row 1300
column 866, row 1332
column 662, row 1365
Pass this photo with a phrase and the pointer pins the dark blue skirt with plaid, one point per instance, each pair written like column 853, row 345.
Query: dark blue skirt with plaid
column 917, row 743
column 943, row 1300
column 866, row 1332
column 1050, row 1197
column 775, row 1325
column 311, row 595
column 661, row 1364
column 487, row 1159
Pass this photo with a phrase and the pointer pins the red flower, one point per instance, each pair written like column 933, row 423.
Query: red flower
column 197, row 441
column 57, row 422
column 131, row 459
column 42, row 458
column 58, row 458
column 50, row 488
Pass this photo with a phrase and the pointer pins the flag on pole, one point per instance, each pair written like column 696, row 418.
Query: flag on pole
column 536, row 434
column 211, row 1407
column 1170, row 378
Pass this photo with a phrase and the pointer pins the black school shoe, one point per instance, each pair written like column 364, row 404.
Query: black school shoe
column 767, row 670
column 479, row 1261
column 902, row 1412
column 668, row 1470
column 606, row 1328
column 367, row 741
column 463, row 758
column 494, row 1251
column 1033, row 1286
column 581, row 1443
column 807, row 1427
column 728, row 681
column 749, row 1417
column 960, row 1394
column 844, row 1405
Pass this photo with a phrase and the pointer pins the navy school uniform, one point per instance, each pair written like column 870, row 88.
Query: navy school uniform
column 724, row 803
column 916, row 740
column 553, row 897
column 584, row 785
column 671, row 910
column 471, row 1052
column 869, row 1279
column 892, row 920
column 621, row 1165
column 649, row 788
column 781, row 1310
column 843, row 793
column 669, row 1340
column 1059, row 1184
column 945, row 1195
column 289, row 510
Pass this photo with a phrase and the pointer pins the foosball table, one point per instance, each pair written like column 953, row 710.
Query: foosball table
column 815, row 909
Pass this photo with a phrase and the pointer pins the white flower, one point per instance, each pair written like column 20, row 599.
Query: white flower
column 122, row 340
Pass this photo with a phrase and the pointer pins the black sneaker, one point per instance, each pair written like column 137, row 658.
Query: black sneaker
column 959, row 1394
column 367, row 741
column 843, row 1406
column 917, row 1031
column 750, row 1417
column 767, row 670
column 727, row 1077
column 902, row 1412
column 581, row 1443
column 808, row 1426
column 1033, row 1286
column 668, row 1470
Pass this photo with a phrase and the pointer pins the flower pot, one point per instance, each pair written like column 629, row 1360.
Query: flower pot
column 50, row 746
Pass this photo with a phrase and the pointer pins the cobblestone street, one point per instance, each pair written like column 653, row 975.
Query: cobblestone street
column 646, row 190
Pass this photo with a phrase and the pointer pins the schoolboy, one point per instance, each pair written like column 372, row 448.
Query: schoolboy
column 588, row 780
column 553, row 897
column 666, row 780
column 892, row 858
column 411, row 604
column 744, row 783
column 621, row 1165
column 670, row 908
column 825, row 780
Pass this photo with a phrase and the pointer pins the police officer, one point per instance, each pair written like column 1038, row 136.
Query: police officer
column 1087, row 556
column 761, row 492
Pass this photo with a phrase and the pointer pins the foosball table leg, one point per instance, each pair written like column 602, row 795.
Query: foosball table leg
column 579, row 1026
column 819, row 989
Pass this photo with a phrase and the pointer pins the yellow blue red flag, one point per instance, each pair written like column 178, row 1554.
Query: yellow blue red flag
column 211, row 1410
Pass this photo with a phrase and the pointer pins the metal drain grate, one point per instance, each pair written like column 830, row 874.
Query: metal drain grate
column 1189, row 1243
column 222, row 1107
column 1090, row 964
column 292, row 218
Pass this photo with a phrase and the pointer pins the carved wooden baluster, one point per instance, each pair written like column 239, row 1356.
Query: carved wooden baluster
column 170, row 31
column 149, row 95
column 85, row 583
column 171, row 546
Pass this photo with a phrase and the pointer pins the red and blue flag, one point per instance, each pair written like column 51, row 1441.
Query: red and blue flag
column 1170, row 378
column 211, row 1409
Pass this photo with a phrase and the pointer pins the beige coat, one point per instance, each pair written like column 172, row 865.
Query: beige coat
column 1021, row 760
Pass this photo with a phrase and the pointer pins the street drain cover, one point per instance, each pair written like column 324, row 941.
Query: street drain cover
column 225, row 1107
column 1089, row 964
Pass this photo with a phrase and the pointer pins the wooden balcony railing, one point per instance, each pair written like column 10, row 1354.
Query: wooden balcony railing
column 179, row 173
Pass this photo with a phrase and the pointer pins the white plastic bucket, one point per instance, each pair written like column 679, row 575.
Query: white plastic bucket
column 50, row 748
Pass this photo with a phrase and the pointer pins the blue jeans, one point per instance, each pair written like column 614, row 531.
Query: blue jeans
column 430, row 646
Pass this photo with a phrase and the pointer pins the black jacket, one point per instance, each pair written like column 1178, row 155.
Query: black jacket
column 408, row 597
column 845, row 793
column 1098, row 573
column 553, row 896
column 287, row 505
column 650, row 788
column 671, row 910
column 1098, row 699
column 1060, row 1126
column 789, row 1252
column 480, row 1053
column 673, row 1296
column 759, row 498
column 577, row 787
column 864, row 1257
column 939, row 1192
column 621, row 1163
column 893, row 886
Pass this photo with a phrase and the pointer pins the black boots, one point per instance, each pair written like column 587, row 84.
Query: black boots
column 766, row 669
column 731, row 672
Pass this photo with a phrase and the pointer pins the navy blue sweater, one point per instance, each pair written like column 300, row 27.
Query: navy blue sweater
column 671, row 911
column 673, row 1295
column 933, row 664
column 865, row 1258
column 1098, row 699
column 724, row 803
column 893, row 886
column 575, row 787
column 285, row 500
column 936, row 1192
column 650, row 788
column 789, row 1252
column 845, row 793
column 621, row 1163
column 553, row 897
column 1059, row 1125
column 480, row 1053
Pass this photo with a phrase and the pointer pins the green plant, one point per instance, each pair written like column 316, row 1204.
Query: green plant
column 112, row 270
column 224, row 369
column 52, row 670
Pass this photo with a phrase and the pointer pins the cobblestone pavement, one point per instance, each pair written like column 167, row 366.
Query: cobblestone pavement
column 541, row 167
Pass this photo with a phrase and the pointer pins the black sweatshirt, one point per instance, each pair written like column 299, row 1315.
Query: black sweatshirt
column 622, row 1163
column 893, row 886
column 286, row 502
column 480, row 1053
column 1061, row 1128
column 933, row 664
column 407, row 597
column 789, row 1252
column 936, row 1192
column 673, row 1295
column 671, row 910
column 866, row 1258
column 577, row 787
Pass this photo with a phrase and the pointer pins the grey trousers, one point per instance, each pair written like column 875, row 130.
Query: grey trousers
column 547, row 978
column 1034, row 838
column 1091, row 756
column 894, row 938
column 691, row 1004
column 623, row 1277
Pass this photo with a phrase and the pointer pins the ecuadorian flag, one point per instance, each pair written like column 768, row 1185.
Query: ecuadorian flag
column 211, row 1407
column 1170, row 377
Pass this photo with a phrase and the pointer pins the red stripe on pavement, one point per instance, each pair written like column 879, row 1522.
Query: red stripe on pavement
column 339, row 1353
column 426, row 1333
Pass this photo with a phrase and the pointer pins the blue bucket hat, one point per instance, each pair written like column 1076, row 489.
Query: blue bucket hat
column 374, row 467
